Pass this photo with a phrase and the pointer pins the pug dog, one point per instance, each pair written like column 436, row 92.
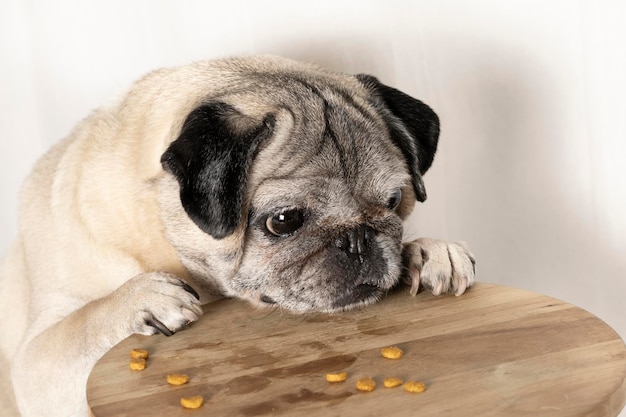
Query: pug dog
column 260, row 178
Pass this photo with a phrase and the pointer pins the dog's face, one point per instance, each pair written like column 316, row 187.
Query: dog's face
column 289, row 187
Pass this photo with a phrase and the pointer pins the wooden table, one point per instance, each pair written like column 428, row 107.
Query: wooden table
column 495, row 351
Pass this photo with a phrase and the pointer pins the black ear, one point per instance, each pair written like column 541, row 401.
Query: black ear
column 211, row 159
column 414, row 128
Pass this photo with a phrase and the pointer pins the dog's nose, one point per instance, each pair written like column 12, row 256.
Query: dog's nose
column 356, row 242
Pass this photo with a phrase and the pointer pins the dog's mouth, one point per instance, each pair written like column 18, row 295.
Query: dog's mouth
column 362, row 294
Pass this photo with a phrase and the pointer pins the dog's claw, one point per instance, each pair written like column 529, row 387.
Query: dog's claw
column 462, row 286
column 191, row 291
column 160, row 327
column 415, row 282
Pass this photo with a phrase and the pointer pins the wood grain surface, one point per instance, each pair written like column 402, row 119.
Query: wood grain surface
column 495, row 351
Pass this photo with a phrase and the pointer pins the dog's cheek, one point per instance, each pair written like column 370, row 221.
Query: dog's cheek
column 288, row 289
column 253, row 281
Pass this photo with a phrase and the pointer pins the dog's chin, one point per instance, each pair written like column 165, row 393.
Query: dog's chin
column 359, row 296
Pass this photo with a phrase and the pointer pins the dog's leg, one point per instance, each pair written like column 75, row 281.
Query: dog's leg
column 439, row 265
column 63, row 354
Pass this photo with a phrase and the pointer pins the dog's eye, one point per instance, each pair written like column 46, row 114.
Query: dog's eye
column 395, row 199
column 284, row 223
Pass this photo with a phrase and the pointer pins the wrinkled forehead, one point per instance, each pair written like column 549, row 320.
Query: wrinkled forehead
column 330, row 152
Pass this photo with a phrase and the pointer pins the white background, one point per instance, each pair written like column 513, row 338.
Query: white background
column 532, row 162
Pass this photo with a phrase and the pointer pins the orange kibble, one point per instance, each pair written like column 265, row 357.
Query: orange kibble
column 392, row 382
column 336, row 377
column 137, row 364
column 192, row 402
column 366, row 384
column 415, row 386
column 177, row 379
column 392, row 352
column 139, row 354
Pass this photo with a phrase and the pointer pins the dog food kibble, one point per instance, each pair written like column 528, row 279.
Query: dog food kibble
column 177, row 379
column 366, row 384
column 392, row 352
column 392, row 382
column 338, row 377
column 137, row 364
column 414, row 386
column 192, row 402
column 139, row 354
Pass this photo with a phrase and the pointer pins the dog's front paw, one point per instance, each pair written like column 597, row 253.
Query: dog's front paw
column 158, row 302
column 439, row 265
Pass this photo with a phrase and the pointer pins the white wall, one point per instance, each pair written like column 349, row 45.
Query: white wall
column 532, row 161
